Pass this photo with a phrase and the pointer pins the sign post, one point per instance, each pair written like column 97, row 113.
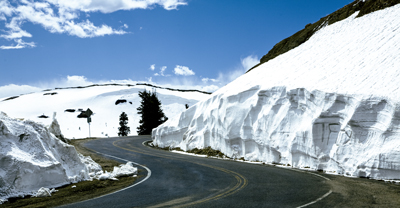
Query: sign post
column 89, row 119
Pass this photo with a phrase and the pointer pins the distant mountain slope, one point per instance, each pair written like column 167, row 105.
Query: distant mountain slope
column 107, row 101
column 363, row 6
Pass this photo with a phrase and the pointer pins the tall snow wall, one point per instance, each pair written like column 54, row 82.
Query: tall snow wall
column 31, row 157
column 331, row 104
column 322, row 131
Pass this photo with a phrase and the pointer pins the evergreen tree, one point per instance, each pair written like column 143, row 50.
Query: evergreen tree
column 152, row 114
column 123, row 130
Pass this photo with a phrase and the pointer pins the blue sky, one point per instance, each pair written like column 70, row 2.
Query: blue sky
column 193, row 43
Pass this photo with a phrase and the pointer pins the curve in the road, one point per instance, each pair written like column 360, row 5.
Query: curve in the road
column 131, row 186
column 238, row 177
column 241, row 181
column 185, row 181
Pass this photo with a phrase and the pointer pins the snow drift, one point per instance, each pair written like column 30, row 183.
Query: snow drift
column 331, row 104
column 31, row 157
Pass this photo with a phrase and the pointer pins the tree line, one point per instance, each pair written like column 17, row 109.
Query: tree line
column 151, row 113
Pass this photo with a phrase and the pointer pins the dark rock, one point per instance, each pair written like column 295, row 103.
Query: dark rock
column 10, row 98
column 120, row 101
column 50, row 93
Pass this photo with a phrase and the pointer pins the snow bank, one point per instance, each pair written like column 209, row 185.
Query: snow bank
column 331, row 104
column 123, row 170
column 45, row 192
column 31, row 158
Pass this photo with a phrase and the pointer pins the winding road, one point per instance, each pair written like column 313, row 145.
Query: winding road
column 175, row 180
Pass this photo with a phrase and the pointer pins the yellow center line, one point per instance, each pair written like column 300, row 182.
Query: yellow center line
column 241, row 181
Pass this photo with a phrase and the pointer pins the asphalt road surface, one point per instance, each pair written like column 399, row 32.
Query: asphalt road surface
column 175, row 180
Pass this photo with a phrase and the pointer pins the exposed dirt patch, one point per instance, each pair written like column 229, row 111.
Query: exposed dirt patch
column 207, row 151
column 360, row 192
column 83, row 191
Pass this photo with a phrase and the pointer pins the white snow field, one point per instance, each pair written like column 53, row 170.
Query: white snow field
column 101, row 100
column 331, row 104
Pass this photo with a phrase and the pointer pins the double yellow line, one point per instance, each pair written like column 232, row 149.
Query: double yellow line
column 241, row 181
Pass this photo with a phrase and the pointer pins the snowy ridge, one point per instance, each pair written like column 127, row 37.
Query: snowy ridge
column 332, row 103
column 101, row 100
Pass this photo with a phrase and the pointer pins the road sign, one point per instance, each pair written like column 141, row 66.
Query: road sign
column 89, row 112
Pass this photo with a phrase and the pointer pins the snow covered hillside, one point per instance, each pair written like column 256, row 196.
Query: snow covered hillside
column 106, row 101
column 32, row 157
column 333, row 103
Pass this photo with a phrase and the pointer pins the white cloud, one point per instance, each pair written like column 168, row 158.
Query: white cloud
column 77, row 81
column 58, row 16
column 20, row 44
column 183, row 70
column 115, row 5
column 15, row 90
column 204, row 83
column 205, row 80
column 162, row 69
column 152, row 67
column 245, row 64
column 249, row 62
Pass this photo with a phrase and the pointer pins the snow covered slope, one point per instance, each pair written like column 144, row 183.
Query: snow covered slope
column 31, row 157
column 101, row 100
column 333, row 103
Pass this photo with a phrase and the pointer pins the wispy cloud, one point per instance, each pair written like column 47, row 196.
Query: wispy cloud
column 20, row 44
column 62, row 16
column 15, row 90
column 245, row 64
column 115, row 5
column 206, row 80
column 152, row 67
column 205, row 83
column 183, row 70
column 165, row 80
column 162, row 70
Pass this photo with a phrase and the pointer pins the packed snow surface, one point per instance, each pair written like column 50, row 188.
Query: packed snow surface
column 31, row 158
column 333, row 104
column 102, row 100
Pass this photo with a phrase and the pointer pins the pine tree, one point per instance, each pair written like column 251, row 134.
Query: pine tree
column 152, row 114
column 123, row 130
